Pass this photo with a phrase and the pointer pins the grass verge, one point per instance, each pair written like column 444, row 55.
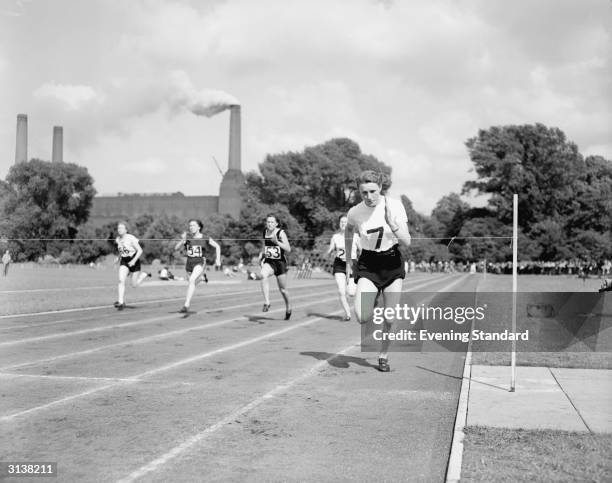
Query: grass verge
column 574, row 360
column 497, row 454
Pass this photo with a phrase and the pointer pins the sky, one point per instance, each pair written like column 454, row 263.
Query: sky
column 409, row 81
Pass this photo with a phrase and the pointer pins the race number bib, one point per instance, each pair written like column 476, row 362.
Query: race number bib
column 125, row 252
column 273, row 253
column 194, row 251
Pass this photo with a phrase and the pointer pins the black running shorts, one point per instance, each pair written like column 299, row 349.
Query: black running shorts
column 192, row 262
column 279, row 266
column 339, row 266
column 124, row 263
column 381, row 268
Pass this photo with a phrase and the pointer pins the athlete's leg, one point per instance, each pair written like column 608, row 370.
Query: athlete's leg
column 266, row 272
column 365, row 295
column 195, row 274
column 391, row 299
column 282, row 286
column 341, row 282
column 123, row 273
column 138, row 277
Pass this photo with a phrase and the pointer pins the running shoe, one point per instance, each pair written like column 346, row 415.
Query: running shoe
column 383, row 365
column 288, row 314
column 120, row 306
column 266, row 307
column 116, row 304
column 184, row 310
column 347, row 318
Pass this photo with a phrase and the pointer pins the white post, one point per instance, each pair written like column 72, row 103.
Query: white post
column 514, row 287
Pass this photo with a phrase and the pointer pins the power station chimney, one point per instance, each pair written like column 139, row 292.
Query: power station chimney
column 230, row 191
column 58, row 144
column 234, row 138
column 21, row 150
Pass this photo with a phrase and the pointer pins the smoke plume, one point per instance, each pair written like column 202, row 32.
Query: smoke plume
column 206, row 102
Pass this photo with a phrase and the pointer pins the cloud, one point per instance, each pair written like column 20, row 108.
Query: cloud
column 409, row 81
column 148, row 166
column 13, row 8
column 441, row 132
column 73, row 97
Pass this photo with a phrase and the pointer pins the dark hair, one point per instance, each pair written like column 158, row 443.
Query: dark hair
column 272, row 215
column 199, row 222
column 342, row 216
column 124, row 223
column 378, row 177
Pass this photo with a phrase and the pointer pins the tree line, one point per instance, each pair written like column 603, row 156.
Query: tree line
column 565, row 205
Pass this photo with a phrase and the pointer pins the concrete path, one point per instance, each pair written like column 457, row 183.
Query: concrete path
column 545, row 398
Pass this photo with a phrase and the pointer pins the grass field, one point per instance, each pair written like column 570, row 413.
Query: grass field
column 568, row 358
column 506, row 455
column 494, row 454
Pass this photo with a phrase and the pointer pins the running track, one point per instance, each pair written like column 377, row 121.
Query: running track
column 226, row 394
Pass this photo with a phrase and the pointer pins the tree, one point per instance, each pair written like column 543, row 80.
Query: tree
column 160, row 238
column 591, row 207
column 316, row 185
column 565, row 201
column 44, row 201
column 416, row 221
column 92, row 245
column 476, row 244
column 534, row 161
column 244, row 236
column 448, row 216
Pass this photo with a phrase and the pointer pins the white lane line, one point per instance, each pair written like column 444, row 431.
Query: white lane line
column 63, row 400
column 157, row 463
column 167, row 367
column 197, row 298
column 159, row 336
column 146, row 302
column 129, row 324
column 86, row 309
column 78, row 378
column 189, row 360
column 148, row 338
column 36, row 290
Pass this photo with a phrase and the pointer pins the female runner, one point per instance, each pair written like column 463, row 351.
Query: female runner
column 194, row 244
column 336, row 245
column 274, row 262
column 130, row 252
column 381, row 223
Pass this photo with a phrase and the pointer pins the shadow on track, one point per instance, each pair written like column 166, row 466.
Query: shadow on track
column 258, row 318
column 439, row 373
column 340, row 361
column 325, row 316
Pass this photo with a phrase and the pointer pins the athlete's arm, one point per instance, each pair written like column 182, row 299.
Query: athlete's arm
column 332, row 247
column 398, row 227
column 262, row 253
column 356, row 245
column 135, row 258
column 181, row 242
column 283, row 242
column 348, row 246
column 214, row 244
